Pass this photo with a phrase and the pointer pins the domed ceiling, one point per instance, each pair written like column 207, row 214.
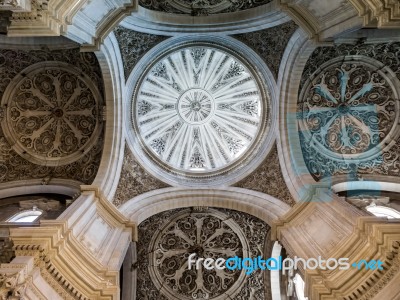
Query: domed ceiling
column 198, row 110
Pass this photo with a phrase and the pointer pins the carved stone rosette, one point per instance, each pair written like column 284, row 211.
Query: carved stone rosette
column 167, row 239
column 52, row 113
column 347, row 114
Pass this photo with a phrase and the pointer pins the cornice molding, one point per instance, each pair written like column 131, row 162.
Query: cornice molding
column 80, row 253
column 343, row 231
column 372, row 238
column 322, row 21
column 86, row 22
column 378, row 13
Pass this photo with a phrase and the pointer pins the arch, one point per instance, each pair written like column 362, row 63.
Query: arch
column 155, row 22
column 294, row 170
column 262, row 206
column 110, row 61
column 38, row 186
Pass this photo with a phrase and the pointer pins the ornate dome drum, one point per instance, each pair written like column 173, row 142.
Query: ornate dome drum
column 198, row 111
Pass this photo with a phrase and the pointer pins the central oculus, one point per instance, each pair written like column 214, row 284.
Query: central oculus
column 196, row 106
column 197, row 109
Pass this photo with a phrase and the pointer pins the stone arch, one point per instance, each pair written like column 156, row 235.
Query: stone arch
column 262, row 206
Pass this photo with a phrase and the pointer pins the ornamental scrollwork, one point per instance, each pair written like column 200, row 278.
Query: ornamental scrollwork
column 52, row 113
column 134, row 180
column 19, row 162
column 167, row 239
column 270, row 43
column 134, row 45
column 348, row 110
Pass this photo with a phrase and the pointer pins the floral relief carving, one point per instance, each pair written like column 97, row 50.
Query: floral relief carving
column 12, row 286
column 51, row 121
column 270, row 43
column 348, row 110
column 167, row 239
column 134, row 180
column 133, row 45
column 268, row 179
column 52, row 113
column 200, row 7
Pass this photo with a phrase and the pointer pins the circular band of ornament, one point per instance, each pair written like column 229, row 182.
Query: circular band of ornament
column 199, row 110
column 52, row 112
column 349, row 108
column 208, row 234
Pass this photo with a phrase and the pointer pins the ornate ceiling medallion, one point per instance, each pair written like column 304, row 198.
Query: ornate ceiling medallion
column 51, row 113
column 208, row 234
column 198, row 109
column 200, row 112
column 348, row 108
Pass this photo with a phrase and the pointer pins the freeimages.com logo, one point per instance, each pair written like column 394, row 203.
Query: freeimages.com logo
column 252, row 264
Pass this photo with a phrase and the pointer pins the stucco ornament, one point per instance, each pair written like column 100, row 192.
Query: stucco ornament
column 202, row 112
column 198, row 109
column 349, row 108
column 52, row 112
column 208, row 234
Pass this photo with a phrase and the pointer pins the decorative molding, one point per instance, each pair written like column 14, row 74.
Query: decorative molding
column 60, row 247
column 380, row 13
column 96, row 19
column 19, row 280
column 12, row 285
column 43, row 17
column 372, row 238
column 162, row 23
column 53, row 277
column 268, row 179
column 84, row 21
column 15, row 5
column 322, row 20
column 327, row 226
column 270, row 43
column 133, row 45
column 376, row 283
column 83, row 167
column 134, row 180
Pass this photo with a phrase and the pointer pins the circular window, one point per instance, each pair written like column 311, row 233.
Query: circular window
column 199, row 110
